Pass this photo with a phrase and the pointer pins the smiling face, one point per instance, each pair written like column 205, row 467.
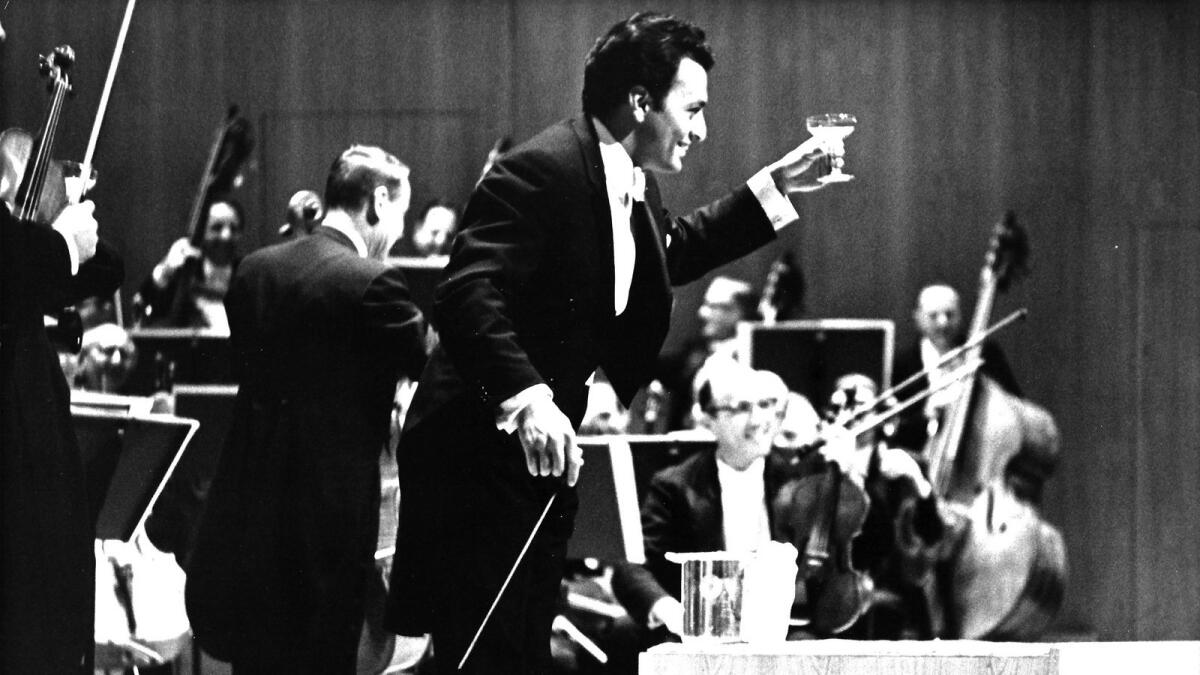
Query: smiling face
column 744, row 413
column 222, row 233
column 665, row 132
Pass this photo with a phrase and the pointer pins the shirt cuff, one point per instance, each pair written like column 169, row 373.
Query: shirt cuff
column 779, row 209
column 72, row 251
column 506, row 416
column 662, row 607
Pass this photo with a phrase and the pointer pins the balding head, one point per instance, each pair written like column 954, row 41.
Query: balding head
column 938, row 316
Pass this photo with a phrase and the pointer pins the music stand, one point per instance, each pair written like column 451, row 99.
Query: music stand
column 200, row 355
column 617, row 473
column 811, row 354
column 423, row 276
column 127, row 461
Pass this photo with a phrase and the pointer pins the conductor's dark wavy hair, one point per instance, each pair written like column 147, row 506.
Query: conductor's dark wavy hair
column 356, row 173
column 643, row 50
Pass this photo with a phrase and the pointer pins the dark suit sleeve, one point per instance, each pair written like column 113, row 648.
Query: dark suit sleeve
column 494, row 256
column 388, row 307
column 713, row 235
column 36, row 264
column 665, row 526
column 100, row 276
column 40, row 255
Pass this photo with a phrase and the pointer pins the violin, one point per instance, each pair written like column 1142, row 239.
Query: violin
column 821, row 513
column 35, row 187
column 1008, row 573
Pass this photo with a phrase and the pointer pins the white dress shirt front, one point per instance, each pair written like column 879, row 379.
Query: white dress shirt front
column 743, row 506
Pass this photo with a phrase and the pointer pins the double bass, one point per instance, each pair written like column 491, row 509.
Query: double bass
column 222, row 173
column 1007, row 566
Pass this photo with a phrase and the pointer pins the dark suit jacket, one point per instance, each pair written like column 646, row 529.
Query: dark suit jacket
column 682, row 513
column 46, row 530
column 286, row 546
column 158, row 303
column 528, row 299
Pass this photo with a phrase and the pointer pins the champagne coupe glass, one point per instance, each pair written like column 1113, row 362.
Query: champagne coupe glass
column 832, row 130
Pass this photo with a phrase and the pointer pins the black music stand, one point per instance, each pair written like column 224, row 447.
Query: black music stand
column 127, row 461
column 614, row 480
column 423, row 276
column 200, row 356
column 811, row 354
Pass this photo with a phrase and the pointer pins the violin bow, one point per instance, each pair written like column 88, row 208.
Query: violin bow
column 104, row 94
column 512, row 570
column 85, row 168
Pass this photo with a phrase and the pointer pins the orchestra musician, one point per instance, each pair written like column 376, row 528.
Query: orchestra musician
column 715, row 500
column 322, row 329
column 726, row 302
column 939, row 321
column 938, row 317
column 204, row 291
column 46, row 533
column 433, row 231
column 889, row 475
column 564, row 264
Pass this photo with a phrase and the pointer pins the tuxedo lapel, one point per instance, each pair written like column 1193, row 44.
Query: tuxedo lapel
column 599, row 213
column 709, row 516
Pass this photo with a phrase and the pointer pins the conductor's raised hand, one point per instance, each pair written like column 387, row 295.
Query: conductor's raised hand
column 548, row 440
column 799, row 170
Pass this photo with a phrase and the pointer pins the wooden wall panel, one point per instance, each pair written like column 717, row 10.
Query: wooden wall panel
column 1082, row 117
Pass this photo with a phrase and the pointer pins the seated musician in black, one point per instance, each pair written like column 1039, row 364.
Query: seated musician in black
column 938, row 317
column 179, row 294
column 899, row 607
column 712, row 501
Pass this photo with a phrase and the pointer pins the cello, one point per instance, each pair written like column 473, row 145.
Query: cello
column 1007, row 567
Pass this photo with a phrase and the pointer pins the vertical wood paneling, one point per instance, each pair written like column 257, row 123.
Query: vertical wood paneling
column 1083, row 117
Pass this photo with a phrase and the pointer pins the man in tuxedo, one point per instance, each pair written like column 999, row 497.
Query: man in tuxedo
column 564, row 264
column 322, row 329
column 47, row 571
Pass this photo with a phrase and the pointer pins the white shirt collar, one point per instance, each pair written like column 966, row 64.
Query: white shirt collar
column 343, row 225
column 623, row 179
column 929, row 354
column 751, row 475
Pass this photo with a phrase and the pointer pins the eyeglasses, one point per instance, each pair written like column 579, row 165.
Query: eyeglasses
column 746, row 407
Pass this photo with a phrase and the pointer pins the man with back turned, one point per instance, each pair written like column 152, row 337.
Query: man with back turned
column 564, row 264
column 322, row 329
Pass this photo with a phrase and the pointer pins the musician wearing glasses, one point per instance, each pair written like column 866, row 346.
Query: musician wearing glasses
column 715, row 500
